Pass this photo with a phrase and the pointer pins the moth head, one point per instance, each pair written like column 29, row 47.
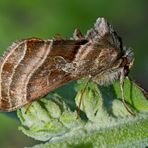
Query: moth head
column 128, row 60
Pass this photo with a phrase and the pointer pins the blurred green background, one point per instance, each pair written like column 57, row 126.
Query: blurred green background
column 46, row 18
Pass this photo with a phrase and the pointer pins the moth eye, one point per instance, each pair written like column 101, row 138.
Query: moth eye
column 119, row 63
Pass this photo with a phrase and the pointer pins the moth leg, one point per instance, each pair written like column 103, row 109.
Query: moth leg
column 27, row 107
column 57, row 37
column 122, row 93
column 77, row 34
column 81, row 98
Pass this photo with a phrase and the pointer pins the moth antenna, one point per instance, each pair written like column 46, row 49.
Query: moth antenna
column 122, row 77
column 81, row 98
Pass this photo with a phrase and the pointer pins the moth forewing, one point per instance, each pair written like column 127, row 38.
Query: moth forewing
column 34, row 67
column 29, row 71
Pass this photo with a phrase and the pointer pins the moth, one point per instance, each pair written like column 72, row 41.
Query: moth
column 32, row 68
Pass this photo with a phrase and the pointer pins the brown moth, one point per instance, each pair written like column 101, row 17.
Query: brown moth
column 32, row 68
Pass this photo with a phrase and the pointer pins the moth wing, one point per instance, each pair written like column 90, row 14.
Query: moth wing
column 33, row 73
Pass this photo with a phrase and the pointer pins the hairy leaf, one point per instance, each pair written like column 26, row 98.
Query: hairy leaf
column 104, row 121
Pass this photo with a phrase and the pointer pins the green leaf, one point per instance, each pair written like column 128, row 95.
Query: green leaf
column 135, row 95
column 104, row 121
column 47, row 119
